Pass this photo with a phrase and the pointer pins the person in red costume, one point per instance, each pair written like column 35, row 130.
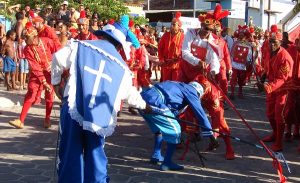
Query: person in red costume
column 241, row 58
column 225, row 60
column 169, row 50
column 280, row 67
column 43, row 31
column 83, row 27
column 38, row 52
column 293, row 101
column 197, row 54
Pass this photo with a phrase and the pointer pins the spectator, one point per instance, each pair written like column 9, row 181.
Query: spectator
column 24, row 69
column 19, row 25
column 94, row 26
column 95, row 16
column 9, row 62
column 64, row 14
column 74, row 16
column 48, row 14
column 161, row 33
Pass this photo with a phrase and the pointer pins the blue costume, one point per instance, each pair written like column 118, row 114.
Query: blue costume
column 170, row 98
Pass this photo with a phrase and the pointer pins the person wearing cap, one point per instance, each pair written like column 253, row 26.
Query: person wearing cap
column 169, row 98
column 280, row 67
column 64, row 14
column 38, row 51
column 241, row 55
column 169, row 50
column 83, row 28
column 81, row 152
column 48, row 14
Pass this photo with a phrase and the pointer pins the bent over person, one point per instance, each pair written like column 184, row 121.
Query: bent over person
column 168, row 99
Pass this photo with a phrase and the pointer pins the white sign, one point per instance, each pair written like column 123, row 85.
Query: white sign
column 238, row 8
column 188, row 22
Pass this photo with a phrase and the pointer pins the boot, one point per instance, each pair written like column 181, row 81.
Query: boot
column 47, row 123
column 271, row 137
column 240, row 94
column 277, row 146
column 168, row 164
column 213, row 145
column 229, row 150
column 156, row 155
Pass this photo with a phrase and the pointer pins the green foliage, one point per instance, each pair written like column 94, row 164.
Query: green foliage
column 105, row 8
column 140, row 20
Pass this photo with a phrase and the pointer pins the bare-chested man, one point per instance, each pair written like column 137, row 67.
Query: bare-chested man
column 9, row 61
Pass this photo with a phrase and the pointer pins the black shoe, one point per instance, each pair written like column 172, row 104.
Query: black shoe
column 119, row 114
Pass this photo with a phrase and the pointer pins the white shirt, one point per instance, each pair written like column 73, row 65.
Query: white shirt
column 212, row 58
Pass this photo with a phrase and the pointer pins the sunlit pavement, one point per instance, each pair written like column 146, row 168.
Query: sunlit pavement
column 28, row 155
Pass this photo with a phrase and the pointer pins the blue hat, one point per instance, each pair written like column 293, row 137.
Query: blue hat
column 198, row 87
column 108, row 34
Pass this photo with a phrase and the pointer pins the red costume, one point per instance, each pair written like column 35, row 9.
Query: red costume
column 293, row 101
column 221, row 48
column 197, row 50
column 39, row 58
column 169, row 52
column 279, row 71
column 48, row 32
column 211, row 100
column 88, row 36
column 241, row 58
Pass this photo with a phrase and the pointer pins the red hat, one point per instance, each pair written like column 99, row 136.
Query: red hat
column 242, row 30
column 30, row 30
column 34, row 17
column 177, row 18
column 213, row 18
column 111, row 21
column 275, row 33
column 131, row 23
column 82, row 20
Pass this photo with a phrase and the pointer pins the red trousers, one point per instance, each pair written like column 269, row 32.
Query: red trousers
column 169, row 74
column 143, row 77
column 221, row 78
column 238, row 77
column 210, row 101
column 33, row 89
column 276, row 103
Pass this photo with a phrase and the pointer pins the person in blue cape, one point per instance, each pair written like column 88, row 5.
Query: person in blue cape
column 170, row 98
column 98, row 80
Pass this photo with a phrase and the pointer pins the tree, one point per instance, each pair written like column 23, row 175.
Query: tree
column 105, row 8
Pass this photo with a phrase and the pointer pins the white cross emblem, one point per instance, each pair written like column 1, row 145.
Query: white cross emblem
column 99, row 74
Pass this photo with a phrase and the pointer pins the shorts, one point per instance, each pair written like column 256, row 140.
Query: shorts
column 24, row 66
column 9, row 65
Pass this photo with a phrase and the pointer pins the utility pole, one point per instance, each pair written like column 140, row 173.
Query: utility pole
column 262, row 12
column 194, row 9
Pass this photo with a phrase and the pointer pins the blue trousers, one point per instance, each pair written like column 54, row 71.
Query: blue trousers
column 169, row 128
column 81, row 153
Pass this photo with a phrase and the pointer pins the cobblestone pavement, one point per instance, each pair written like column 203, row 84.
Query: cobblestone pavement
column 28, row 155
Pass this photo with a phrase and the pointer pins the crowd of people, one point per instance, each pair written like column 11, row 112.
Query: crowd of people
column 196, row 67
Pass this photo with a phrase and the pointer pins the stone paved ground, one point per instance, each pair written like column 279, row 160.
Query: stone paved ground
column 28, row 155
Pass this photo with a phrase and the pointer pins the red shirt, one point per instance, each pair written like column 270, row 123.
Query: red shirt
column 39, row 57
column 169, row 47
column 88, row 36
column 280, row 67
